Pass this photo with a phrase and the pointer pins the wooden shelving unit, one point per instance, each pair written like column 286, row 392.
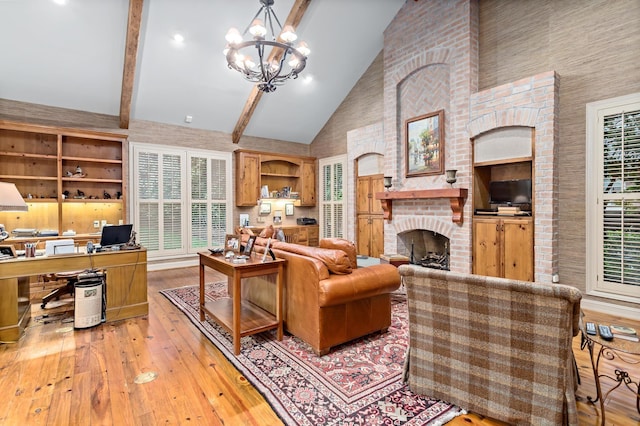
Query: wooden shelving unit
column 255, row 169
column 39, row 160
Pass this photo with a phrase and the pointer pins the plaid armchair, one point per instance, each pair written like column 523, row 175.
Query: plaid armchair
column 494, row 346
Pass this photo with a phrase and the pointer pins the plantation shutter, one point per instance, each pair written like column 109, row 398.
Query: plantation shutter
column 148, row 198
column 333, row 198
column 179, row 199
column 171, row 202
column 620, row 260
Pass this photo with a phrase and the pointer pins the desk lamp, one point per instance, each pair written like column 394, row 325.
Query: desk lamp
column 10, row 201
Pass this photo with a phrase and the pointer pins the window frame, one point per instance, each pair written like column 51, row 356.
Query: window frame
column 595, row 284
column 330, row 232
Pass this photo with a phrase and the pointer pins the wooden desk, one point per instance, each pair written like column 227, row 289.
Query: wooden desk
column 126, row 273
column 238, row 317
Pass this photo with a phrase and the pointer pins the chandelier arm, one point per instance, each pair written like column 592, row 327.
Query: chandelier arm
column 251, row 21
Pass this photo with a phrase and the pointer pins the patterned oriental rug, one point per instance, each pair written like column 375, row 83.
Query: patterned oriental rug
column 357, row 383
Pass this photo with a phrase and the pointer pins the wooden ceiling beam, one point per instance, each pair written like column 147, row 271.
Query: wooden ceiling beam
column 130, row 56
column 295, row 16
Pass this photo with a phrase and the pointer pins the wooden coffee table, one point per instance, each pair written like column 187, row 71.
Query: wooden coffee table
column 238, row 317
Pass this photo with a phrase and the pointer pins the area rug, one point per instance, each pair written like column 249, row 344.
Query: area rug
column 357, row 383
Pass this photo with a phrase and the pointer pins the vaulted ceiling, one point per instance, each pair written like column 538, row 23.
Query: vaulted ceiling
column 72, row 55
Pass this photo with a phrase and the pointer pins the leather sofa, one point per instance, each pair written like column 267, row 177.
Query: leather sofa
column 328, row 300
column 494, row 346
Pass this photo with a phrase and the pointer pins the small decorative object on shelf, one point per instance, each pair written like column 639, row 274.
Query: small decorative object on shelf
column 387, row 182
column 106, row 195
column 80, row 194
column 451, row 176
column 118, row 195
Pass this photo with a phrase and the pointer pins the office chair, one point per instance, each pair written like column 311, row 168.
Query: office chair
column 68, row 288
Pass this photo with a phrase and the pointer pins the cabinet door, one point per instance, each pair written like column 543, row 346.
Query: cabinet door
column 377, row 185
column 518, row 249
column 377, row 236
column 247, row 179
column 364, row 235
column 363, row 189
column 486, row 248
column 308, row 190
column 314, row 235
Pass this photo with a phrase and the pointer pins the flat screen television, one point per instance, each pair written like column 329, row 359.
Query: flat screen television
column 510, row 192
column 116, row 235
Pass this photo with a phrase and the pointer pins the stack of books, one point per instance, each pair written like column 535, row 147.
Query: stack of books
column 624, row 332
column 508, row 210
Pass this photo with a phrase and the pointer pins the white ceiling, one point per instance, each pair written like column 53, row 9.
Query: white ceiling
column 72, row 56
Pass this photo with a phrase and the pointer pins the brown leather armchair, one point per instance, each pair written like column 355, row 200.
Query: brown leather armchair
column 328, row 300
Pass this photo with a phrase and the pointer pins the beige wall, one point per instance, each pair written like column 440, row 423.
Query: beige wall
column 594, row 46
column 362, row 107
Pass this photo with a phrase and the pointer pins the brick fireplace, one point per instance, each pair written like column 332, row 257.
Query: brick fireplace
column 439, row 71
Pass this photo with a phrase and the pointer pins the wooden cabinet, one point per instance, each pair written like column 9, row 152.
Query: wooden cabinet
column 369, row 216
column 503, row 247
column 247, row 178
column 68, row 177
column 256, row 169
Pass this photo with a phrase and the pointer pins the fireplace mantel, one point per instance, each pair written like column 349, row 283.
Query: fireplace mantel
column 456, row 196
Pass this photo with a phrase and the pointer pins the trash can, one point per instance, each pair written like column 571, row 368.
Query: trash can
column 90, row 301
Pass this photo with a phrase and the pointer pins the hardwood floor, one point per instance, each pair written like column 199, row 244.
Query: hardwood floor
column 55, row 375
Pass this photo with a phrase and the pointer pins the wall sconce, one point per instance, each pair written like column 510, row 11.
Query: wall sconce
column 387, row 182
column 451, row 176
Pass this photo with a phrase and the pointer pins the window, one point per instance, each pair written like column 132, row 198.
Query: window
column 613, row 198
column 333, row 201
column 179, row 199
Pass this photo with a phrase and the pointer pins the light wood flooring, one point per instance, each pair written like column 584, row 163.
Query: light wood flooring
column 57, row 376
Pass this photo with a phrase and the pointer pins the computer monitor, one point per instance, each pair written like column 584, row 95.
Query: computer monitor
column 116, row 235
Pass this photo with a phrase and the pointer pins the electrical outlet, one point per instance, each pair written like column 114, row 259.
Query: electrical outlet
column 96, row 224
column 260, row 219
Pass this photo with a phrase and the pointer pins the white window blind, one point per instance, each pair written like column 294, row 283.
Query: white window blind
column 179, row 199
column 613, row 237
column 333, row 201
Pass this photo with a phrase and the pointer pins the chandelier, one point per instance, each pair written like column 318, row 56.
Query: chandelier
column 278, row 60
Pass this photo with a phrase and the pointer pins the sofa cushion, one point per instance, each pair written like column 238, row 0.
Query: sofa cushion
column 336, row 261
column 267, row 232
column 341, row 244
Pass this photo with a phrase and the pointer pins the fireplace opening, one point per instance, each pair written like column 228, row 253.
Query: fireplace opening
column 425, row 248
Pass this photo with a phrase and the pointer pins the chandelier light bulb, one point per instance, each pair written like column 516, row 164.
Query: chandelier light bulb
column 303, row 48
column 248, row 62
column 288, row 34
column 294, row 62
column 257, row 29
column 225, row 50
column 233, row 36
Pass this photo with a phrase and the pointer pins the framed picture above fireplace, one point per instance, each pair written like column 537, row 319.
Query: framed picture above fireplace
column 424, row 144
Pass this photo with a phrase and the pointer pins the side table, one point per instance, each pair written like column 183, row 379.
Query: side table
column 624, row 351
column 238, row 317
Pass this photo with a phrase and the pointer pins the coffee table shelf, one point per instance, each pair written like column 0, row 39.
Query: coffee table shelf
column 238, row 317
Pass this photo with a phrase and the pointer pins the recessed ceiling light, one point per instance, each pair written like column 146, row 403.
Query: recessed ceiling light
column 60, row 2
column 178, row 38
